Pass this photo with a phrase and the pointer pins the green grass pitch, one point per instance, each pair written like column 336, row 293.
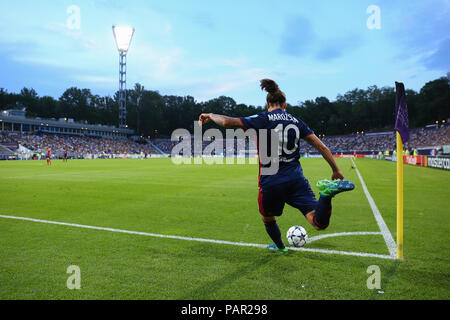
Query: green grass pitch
column 212, row 202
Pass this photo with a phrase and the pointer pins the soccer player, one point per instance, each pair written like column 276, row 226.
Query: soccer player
column 49, row 161
column 288, row 185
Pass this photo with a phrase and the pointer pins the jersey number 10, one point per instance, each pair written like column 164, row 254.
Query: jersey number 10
column 284, row 138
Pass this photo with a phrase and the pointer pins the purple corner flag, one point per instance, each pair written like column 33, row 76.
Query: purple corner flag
column 401, row 123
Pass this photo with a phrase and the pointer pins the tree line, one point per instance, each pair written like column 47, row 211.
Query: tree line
column 152, row 114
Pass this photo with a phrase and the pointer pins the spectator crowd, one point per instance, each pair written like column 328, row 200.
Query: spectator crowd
column 360, row 142
column 375, row 142
column 81, row 146
column 75, row 146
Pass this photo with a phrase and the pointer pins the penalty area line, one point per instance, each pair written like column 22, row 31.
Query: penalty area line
column 243, row 244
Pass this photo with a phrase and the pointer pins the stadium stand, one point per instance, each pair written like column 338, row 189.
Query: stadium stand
column 422, row 139
column 425, row 140
column 5, row 153
column 76, row 146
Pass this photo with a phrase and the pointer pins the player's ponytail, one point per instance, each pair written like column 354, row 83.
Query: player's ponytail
column 274, row 95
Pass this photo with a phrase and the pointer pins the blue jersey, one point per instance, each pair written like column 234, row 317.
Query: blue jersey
column 289, row 131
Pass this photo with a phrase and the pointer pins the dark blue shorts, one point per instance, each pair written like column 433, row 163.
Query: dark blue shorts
column 296, row 193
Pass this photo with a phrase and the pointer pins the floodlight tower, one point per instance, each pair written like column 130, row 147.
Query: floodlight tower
column 123, row 36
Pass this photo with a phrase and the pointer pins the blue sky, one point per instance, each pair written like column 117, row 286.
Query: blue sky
column 210, row 48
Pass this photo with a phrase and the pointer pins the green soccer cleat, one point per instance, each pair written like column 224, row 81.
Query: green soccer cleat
column 274, row 248
column 330, row 188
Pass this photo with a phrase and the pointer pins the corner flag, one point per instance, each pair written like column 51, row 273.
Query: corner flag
column 401, row 126
column 401, row 123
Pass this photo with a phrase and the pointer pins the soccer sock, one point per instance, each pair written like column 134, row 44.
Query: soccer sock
column 274, row 232
column 323, row 212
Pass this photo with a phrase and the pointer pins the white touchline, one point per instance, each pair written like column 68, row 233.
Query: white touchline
column 360, row 254
column 390, row 242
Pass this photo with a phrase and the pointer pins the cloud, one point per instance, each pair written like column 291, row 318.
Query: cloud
column 204, row 20
column 334, row 48
column 422, row 33
column 233, row 81
column 74, row 34
column 158, row 63
column 54, row 45
column 440, row 58
column 167, row 29
column 38, row 60
column 299, row 40
column 297, row 37
column 206, row 87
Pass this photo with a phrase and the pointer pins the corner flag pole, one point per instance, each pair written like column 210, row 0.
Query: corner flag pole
column 402, row 131
column 399, row 196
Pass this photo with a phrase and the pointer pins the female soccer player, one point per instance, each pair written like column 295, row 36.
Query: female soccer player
column 287, row 185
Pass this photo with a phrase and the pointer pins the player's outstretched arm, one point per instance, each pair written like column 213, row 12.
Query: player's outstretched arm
column 313, row 140
column 221, row 120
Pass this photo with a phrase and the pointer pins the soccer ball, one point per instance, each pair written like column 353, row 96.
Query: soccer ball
column 297, row 236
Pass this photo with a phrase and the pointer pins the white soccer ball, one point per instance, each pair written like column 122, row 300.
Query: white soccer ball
column 297, row 236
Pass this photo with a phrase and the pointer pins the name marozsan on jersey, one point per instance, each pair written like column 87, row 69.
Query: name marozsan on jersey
column 282, row 116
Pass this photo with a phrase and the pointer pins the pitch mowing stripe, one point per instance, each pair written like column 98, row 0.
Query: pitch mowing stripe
column 359, row 254
column 390, row 242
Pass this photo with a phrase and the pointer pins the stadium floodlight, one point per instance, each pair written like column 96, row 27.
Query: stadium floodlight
column 123, row 36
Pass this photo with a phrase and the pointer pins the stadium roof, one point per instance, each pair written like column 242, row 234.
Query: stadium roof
column 18, row 117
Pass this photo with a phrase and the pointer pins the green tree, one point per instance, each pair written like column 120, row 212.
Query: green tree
column 434, row 102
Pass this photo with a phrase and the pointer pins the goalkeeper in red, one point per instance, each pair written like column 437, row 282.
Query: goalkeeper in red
column 287, row 185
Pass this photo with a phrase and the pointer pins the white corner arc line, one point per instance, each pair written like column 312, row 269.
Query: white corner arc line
column 328, row 235
column 359, row 254
column 390, row 242
column 347, row 253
